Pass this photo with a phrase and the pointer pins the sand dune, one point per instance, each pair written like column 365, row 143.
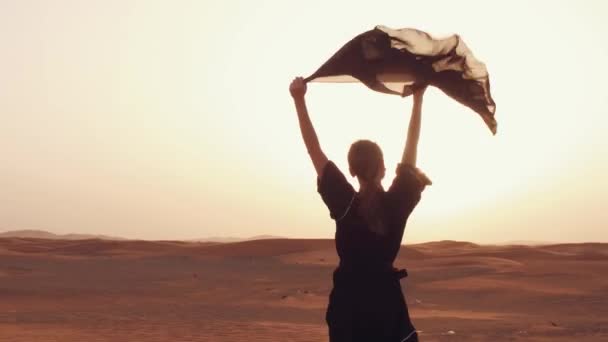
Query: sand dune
column 276, row 290
column 267, row 247
column 41, row 234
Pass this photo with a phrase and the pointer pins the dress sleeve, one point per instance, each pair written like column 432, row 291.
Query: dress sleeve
column 336, row 191
column 407, row 187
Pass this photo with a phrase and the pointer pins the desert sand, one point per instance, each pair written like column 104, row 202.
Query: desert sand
column 276, row 290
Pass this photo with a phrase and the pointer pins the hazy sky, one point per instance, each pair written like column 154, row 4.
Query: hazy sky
column 172, row 119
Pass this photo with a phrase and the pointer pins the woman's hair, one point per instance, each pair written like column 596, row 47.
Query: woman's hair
column 366, row 161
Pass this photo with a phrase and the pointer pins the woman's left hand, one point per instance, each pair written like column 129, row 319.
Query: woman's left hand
column 297, row 88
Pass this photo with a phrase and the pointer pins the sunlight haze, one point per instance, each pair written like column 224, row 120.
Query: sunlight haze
column 173, row 120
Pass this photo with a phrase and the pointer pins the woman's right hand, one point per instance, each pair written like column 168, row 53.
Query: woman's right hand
column 297, row 88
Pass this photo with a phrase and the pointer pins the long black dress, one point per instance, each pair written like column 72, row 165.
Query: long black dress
column 366, row 303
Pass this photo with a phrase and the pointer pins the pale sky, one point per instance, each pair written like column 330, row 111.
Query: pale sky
column 172, row 119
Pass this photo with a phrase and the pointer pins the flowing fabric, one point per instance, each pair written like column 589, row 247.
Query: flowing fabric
column 399, row 61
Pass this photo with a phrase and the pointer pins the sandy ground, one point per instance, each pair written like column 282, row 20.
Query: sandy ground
column 276, row 290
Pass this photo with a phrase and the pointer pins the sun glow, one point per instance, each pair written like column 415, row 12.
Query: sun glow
column 157, row 120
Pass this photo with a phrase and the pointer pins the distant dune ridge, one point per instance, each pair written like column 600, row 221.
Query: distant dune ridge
column 277, row 289
column 41, row 234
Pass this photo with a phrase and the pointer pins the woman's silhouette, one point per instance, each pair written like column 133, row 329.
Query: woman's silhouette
column 366, row 303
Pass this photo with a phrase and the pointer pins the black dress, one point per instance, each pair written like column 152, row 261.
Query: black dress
column 366, row 303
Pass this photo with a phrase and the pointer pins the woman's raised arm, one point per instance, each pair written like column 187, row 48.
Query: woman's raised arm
column 413, row 132
column 298, row 91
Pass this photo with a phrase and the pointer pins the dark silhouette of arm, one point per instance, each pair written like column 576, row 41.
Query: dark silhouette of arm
column 413, row 133
column 298, row 91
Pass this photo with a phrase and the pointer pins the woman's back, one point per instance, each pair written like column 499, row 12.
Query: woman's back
column 360, row 247
column 366, row 302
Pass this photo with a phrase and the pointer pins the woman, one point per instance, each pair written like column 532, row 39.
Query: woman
column 366, row 303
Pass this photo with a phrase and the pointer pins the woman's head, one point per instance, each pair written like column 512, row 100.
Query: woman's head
column 366, row 162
